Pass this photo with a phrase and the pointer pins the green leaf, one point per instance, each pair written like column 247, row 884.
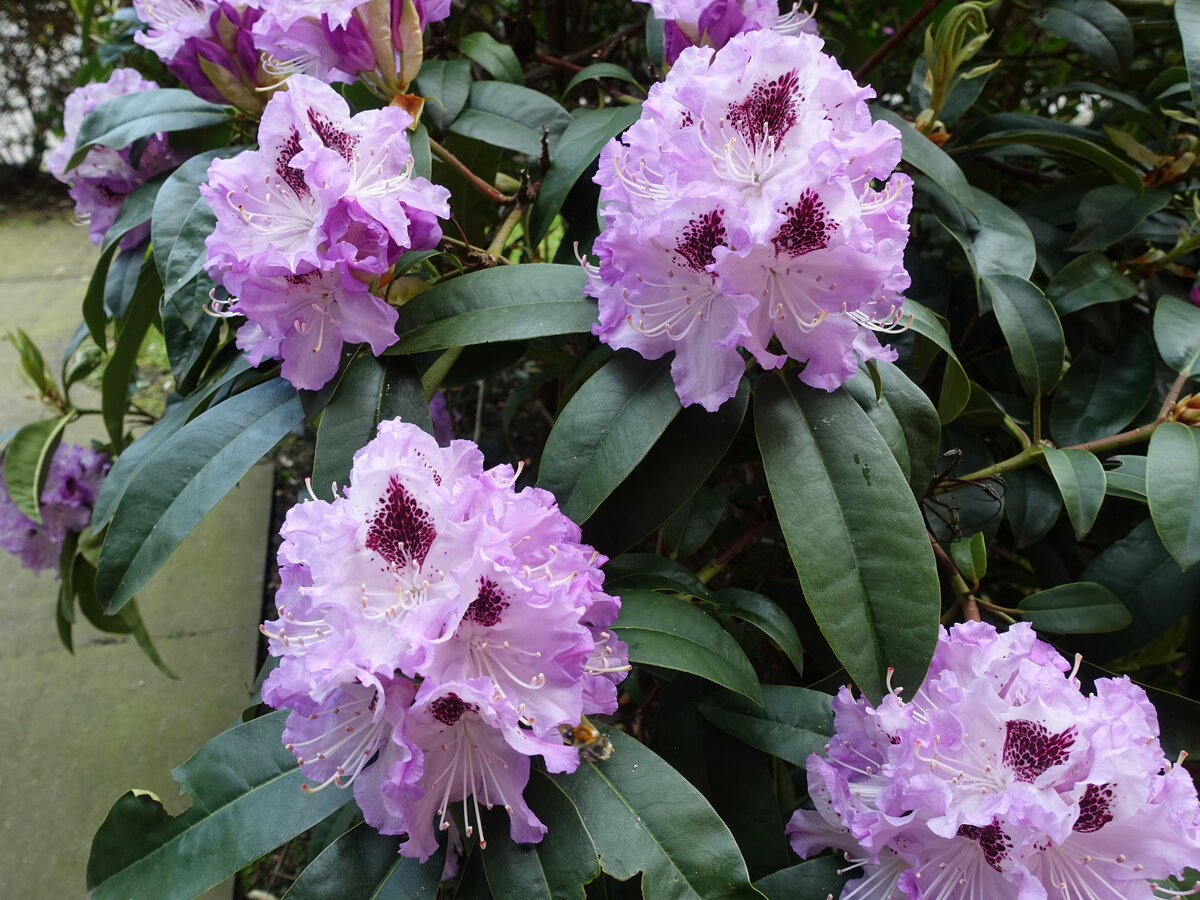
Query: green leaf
column 1001, row 244
column 673, row 634
column 143, row 307
column 1066, row 143
column 1031, row 505
column 956, row 387
column 1086, row 281
column 970, row 555
column 693, row 524
column 370, row 391
column 642, row 816
column 651, row 572
column 33, row 364
column 1096, row 27
column 765, row 615
column 93, row 299
column 819, row 877
column 1177, row 334
column 135, row 210
column 185, row 478
column 445, row 84
column 1128, row 479
column 1080, row 479
column 246, row 800
column 905, row 418
column 792, row 722
column 1187, row 17
column 1080, row 608
column 1107, row 214
column 496, row 58
column 577, row 149
column 506, row 303
column 119, row 121
column 605, row 430
column 599, row 70
column 923, row 154
column 853, row 529
column 1032, row 330
column 363, row 864
column 27, row 462
column 1101, row 394
column 1173, row 489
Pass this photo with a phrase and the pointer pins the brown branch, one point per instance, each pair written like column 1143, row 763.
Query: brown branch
column 901, row 33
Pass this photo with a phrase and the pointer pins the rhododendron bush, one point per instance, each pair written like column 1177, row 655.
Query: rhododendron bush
column 754, row 447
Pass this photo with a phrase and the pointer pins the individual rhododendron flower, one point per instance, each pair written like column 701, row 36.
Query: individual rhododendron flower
column 209, row 46
column 72, row 483
column 753, row 203
column 711, row 23
column 436, row 627
column 999, row 778
column 378, row 42
column 307, row 223
column 102, row 180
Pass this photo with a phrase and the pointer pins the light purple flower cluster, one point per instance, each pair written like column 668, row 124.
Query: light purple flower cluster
column 308, row 221
column 100, row 183
column 711, row 23
column 209, row 46
column 742, row 207
column 435, row 628
column 1000, row 779
column 379, row 42
column 68, row 496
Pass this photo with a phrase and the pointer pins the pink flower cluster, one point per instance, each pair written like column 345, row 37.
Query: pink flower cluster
column 307, row 223
column 100, row 183
column 753, row 202
column 68, row 496
column 436, row 628
column 1000, row 779
column 711, row 23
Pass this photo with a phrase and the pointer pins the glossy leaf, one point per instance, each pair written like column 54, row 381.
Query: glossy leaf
column 651, row 572
column 970, row 555
column 1177, row 334
column 93, row 299
column 1109, row 213
column 363, row 864
column 1003, row 244
column 792, row 722
column 923, row 154
column 1032, row 503
column 511, row 116
column 605, row 430
column 246, row 800
column 445, row 84
column 642, row 816
column 670, row 633
column 119, row 121
column 955, row 391
column 143, row 307
column 1102, row 393
column 496, row 58
column 1097, row 27
column 1128, row 479
column 1081, row 481
column 1087, row 281
column 1173, row 490
column 1071, row 145
column 815, row 878
column 135, row 211
column 693, row 524
column 506, row 303
column 1187, row 17
column 370, row 391
column 27, row 463
column 1032, row 330
column 1079, row 608
column 599, row 70
column 765, row 615
column 185, row 478
column 853, row 530
column 906, row 419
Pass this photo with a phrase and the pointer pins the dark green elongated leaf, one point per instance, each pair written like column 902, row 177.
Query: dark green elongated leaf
column 819, row 877
column 143, row 307
column 93, row 299
column 27, row 462
column 1032, row 330
column 765, row 615
column 119, row 121
column 1080, row 478
column 135, row 211
column 1107, row 214
column 1177, row 334
column 1086, row 281
column 84, row 582
column 955, row 386
column 923, row 154
column 363, row 864
column 1100, row 394
column 1031, row 505
column 188, row 302
column 670, row 633
column 65, row 611
column 246, row 800
column 1173, row 489
column 577, row 149
column 498, row 131
column 643, row 816
column 1187, row 17
column 689, row 528
column 130, row 461
column 122, row 280
column 1080, row 608
column 507, row 303
column 853, row 530
column 906, row 419
column 445, row 84
column 1003, row 244
column 129, row 613
column 792, row 722
column 529, row 108
column 1128, row 479
column 605, row 430
column 496, row 58
column 185, row 478
column 369, row 391
column 676, row 466
column 1066, row 143
column 182, row 220
column 652, row 572
column 1096, row 27
column 599, row 70
column 970, row 555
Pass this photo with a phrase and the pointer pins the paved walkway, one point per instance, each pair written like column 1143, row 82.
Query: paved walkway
column 80, row 730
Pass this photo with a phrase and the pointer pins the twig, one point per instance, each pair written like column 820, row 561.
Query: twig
column 901, row 33
column 472, row 179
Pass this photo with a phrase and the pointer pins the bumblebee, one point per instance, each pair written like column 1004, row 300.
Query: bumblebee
column 592, row 745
